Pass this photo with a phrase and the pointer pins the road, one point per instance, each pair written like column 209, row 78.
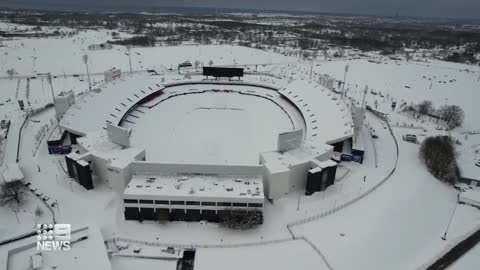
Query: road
column 456, row 252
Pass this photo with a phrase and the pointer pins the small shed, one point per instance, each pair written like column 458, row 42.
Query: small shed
column 36, row 260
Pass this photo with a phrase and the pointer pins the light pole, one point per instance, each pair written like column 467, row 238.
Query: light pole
column 49, row 79
column 364, row 95
column 129, row 57
column 85, row 60
column 16, row 214
column 344, row 78
column 298, row 203
column 444, row 237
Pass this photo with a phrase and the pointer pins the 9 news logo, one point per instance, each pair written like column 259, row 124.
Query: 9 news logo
column 53, row 237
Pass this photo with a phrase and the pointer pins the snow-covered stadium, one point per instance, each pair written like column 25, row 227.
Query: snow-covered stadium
column 199, row 147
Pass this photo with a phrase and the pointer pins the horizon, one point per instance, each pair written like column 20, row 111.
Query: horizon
column 150, row 7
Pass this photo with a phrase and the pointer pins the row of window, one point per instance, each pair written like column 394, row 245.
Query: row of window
column 225, row 204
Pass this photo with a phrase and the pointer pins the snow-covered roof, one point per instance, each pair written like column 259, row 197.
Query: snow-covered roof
column 327, row 118
column 193, row 186
column 305, row 153
column 12, row 173
column 326, row 164
column 98, row 144
column 470, row 196
column 37, row 261
column 92, row 110
column 468, row 169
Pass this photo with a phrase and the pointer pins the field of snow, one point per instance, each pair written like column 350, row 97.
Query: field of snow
column 440, row 82
column 210, row 128
column 64, row 55
column 287, row 255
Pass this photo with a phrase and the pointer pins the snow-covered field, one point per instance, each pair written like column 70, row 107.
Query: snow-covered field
column 398, row 226
column 211, row 128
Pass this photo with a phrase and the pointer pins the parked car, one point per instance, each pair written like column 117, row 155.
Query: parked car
column 477, row 164
column 410, row 138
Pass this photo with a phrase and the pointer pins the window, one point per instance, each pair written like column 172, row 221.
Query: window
column 193, row 203
column 146, row 201
column 177, row 202
column 255, row 205
column 208, row 203
column 224, row 204
column 130, row 201
column 161, row 202
column 239, row 204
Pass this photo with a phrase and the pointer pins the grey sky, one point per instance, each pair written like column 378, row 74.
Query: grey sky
column 426, row 8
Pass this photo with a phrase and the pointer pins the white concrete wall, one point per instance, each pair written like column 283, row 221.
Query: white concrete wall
column 298, row 175
column 118, row 178
column 118, row 135
column 276, row 184
column 63, row 103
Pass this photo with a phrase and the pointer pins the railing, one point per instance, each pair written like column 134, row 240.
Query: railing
column 194, row 245
column 252, row 244
column 356, row 199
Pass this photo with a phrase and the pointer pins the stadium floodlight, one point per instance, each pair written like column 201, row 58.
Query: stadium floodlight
column 85, row 60
column 49, row 79
column 129, row 57
column 344, row 78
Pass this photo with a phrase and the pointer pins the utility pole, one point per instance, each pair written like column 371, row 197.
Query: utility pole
column 129, row 57
column 298, row 204
column 16, row 214
column 444, row 237
column 85, row 60
column 311, row 69
column 344, row 78
column 364, row 95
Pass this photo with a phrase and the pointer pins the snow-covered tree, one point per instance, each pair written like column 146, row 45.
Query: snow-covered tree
column 38, row 211
column 425, row 107
column 12, row 193
column 453, row 115
column 439, row 156
column 242, row 220
column 11, row 72
column 196, row 64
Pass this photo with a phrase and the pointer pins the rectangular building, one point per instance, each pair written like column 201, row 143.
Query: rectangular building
column 191, row 197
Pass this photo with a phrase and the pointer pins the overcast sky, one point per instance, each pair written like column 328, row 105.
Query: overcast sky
column 422, row 8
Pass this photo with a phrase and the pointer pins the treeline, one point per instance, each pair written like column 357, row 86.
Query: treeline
column 136, row 41
column 461, row 44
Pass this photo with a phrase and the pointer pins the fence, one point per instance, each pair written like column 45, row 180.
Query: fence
column 354, row 200
column 193, row 245
column 20, row 138
column 252, row 244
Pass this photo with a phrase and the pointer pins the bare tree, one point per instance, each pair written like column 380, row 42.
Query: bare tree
column 453, row 115
column 425, row 107
column 38, row 211
column 11, row 72
column 439, row 155
column 196, row 64
column 12, row 193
